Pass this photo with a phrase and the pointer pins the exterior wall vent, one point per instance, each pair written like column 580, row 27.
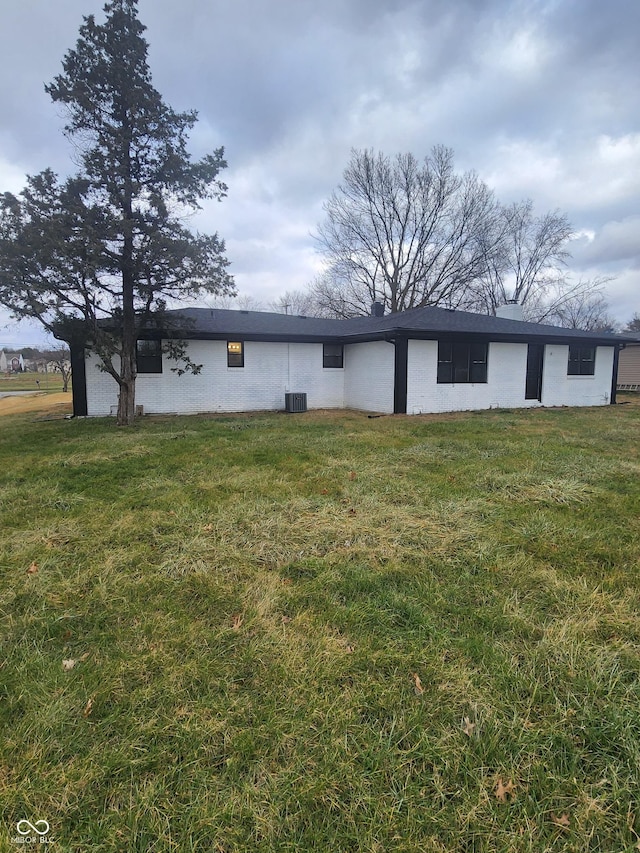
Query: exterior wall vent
column 139, row 411
column 295, row 402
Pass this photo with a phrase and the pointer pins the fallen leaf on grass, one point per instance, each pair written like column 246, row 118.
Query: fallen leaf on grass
column 352, row 511
column 88, row 708
column 352, row 475
column 285, row 620
column 504, row 791
column 33, row 569
column 68, row 665
column 324, row 491
column 468, row 727
column 237, row 621
column 563, row 821
column 418, row 688
column 207, row 528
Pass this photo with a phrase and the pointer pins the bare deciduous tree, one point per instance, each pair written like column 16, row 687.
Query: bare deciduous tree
column 295, row 302
column 579, row 306
column 410, row 234
column 524, row 258
column 60, row 359
column 404, row 233
column 231, row 302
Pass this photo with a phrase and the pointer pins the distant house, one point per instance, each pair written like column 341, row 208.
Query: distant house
column 11, row 362
column 60, row 366
column 424, row 360
column 629, row 368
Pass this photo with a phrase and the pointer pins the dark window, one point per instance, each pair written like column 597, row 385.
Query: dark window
column 582, row 361
column 235, row 354
column 149, row 356
column 461, row 362
column 332, row 355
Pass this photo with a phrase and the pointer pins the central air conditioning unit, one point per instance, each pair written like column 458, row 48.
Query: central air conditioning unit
column 295, row 402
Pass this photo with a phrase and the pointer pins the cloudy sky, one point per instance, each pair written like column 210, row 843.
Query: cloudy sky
column 540, row 97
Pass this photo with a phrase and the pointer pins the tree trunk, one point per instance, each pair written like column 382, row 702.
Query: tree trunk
column 127, row 403
column 127, row 381
column 127, row 395
column 128, row 367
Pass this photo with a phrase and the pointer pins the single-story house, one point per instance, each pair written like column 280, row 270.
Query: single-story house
column 629, row 369
column 423, row 360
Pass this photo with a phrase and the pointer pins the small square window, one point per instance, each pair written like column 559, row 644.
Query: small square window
column 332, row 355
column 149, row 356
column 461, row 362
column 582, row 361
column 235, row 354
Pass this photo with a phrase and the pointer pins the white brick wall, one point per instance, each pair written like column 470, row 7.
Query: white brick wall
column 270, row 370
column 102, row 390
column 324, row 386
column 558, row 389
column 366, row 381
column 369, row 376
column 505, row 386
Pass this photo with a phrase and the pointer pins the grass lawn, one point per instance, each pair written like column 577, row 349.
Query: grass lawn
column 50, row 382
column 322, row 632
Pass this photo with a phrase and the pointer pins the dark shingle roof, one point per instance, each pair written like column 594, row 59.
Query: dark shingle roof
column 216, row 322
column 428, row 322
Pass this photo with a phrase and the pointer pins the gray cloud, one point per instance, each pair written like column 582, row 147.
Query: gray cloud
column 539, row 96
column 615, row 243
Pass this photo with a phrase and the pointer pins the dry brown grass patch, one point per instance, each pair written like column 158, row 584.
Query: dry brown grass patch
column 58, row 404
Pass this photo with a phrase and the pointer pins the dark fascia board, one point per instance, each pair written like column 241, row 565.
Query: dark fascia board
column 495, row 337
column 492, row 337
column 389, row 335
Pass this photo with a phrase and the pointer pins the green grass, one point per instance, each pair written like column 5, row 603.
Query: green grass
column 249, row 600
column 51, row 382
